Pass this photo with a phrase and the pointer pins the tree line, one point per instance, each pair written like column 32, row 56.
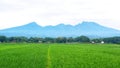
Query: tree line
column 4, row 39
column 80, row 39
column 114, row 40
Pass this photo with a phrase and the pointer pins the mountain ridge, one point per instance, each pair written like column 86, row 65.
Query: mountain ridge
column 90, row 29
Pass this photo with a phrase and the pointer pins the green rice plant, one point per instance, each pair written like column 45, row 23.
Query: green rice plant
column 23, row 56
column 75, row 55
column 85, row 56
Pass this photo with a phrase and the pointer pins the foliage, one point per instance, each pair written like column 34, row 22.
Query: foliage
column 61, row 40
column 80, row 39
column 97, row 40
column 17, row 39
column 3, row 39
column 112, row 40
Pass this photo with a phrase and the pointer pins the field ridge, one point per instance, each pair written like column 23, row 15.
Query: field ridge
column 48, row 58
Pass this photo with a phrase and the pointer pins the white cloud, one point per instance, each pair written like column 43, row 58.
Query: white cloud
column 52, row 12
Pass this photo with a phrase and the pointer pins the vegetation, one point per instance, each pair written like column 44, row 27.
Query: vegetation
column 112, row 40
column 3, row 39
column 85, row 56
column 44, row 40
column 23, row 55
column 80, row 39
column 72, row 55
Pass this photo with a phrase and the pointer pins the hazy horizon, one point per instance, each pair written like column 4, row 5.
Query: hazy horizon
column 52, row 12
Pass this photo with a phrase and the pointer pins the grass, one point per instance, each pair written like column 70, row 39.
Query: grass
column 59, row 55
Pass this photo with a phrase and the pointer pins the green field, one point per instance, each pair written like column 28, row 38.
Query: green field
column 59, row 55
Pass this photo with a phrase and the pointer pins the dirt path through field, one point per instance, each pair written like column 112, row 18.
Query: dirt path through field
column 48, row 58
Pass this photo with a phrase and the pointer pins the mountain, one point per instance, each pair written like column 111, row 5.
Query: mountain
column 90, row 29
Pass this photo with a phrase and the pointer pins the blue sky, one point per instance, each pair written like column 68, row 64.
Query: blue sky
column 52, row 12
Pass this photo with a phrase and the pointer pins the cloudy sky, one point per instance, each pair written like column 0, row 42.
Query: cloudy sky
column 52, row 12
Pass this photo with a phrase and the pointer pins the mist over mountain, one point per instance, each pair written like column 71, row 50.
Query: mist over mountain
column 90, row 29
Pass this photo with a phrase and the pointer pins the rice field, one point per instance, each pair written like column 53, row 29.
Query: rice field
column 33, row 55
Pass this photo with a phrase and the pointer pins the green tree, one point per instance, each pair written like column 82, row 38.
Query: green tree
column 49, row 40
column 35, row 40
column 112, row 40
column 17, row 39
column 70, row 39
column 3, row 39
column 97, row 40
column 61, row 40
column 82, row 39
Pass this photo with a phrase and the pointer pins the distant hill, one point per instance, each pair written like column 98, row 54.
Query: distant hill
column 90, row 29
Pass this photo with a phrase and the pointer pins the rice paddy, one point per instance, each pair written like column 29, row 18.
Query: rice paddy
column 34, row 55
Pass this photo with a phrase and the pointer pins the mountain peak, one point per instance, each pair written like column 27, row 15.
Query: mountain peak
column 32, row 24
column 61, row 24
column 85, row 22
